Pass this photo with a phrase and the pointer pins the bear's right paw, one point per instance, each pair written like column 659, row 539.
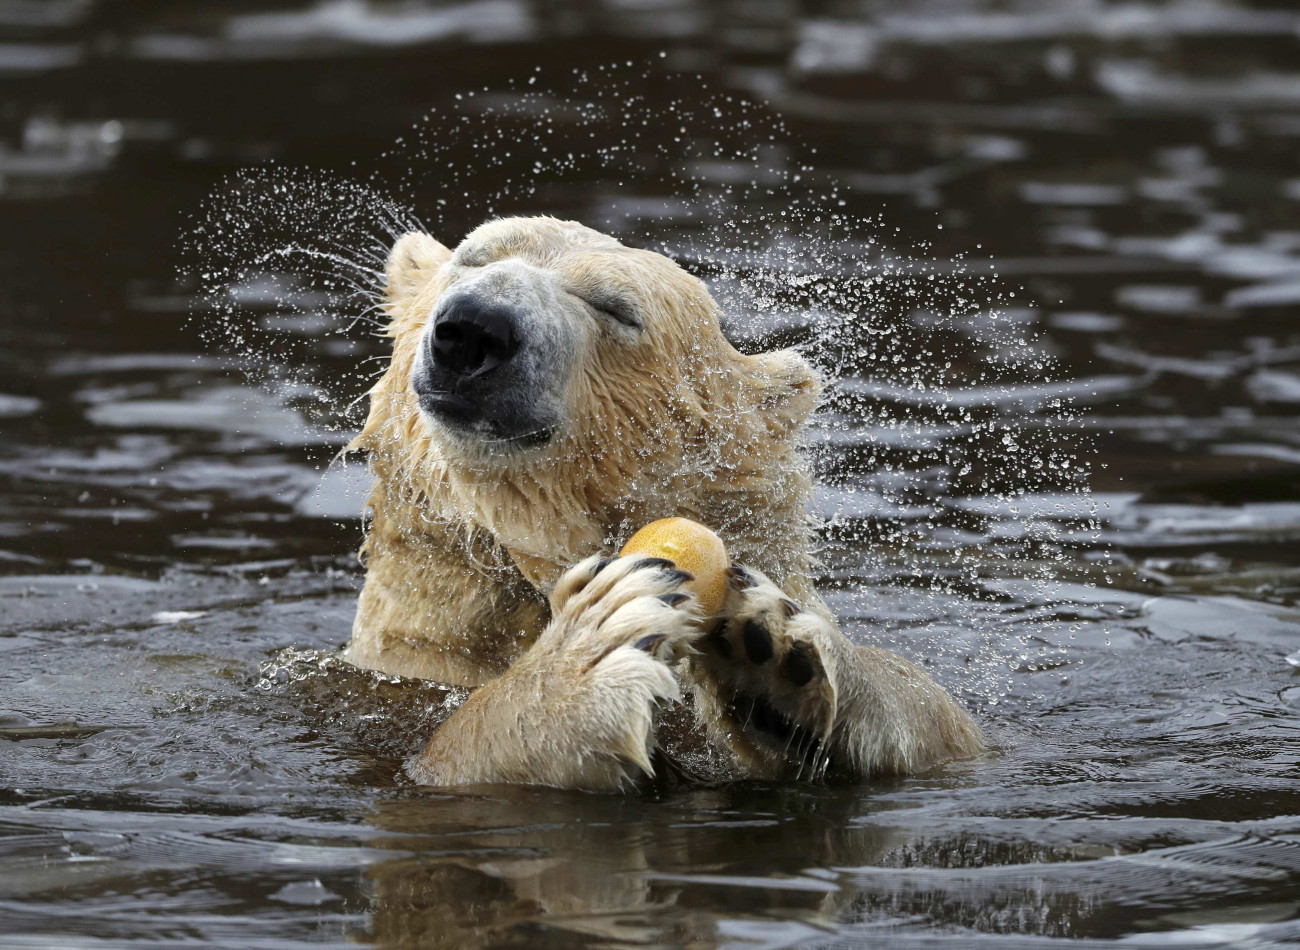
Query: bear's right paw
column 765, row 680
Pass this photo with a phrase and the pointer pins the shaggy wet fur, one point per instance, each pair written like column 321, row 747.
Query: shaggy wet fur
column 662, row 417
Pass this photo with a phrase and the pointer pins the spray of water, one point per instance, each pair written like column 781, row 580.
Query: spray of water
column 951, row 458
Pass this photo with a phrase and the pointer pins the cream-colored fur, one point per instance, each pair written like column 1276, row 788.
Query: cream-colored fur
column 468, row 536
column 576, row 710
column 871, row 711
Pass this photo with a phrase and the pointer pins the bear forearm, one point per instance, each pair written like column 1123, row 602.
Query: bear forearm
column 892, row 718
column 426, row 612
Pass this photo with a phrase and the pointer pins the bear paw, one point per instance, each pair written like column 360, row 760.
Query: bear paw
column 578, row 709
column 600, row 603
column 765, row 680
column 793, row 698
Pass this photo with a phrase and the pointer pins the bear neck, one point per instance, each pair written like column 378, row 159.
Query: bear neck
column 546, row 517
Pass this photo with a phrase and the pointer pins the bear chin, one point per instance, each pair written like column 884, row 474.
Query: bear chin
column 486, row 437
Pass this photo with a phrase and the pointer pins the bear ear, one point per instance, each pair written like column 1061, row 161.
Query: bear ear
column 411, row 263
column 788, row 387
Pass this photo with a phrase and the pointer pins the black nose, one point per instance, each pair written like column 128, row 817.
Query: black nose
column 471, row 338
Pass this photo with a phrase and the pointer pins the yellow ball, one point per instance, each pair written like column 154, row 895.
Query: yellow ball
column 692, row 547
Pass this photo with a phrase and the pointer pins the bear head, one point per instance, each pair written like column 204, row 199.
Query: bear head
column 557, row 389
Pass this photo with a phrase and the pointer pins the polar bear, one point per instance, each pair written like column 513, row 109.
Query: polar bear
column 550, row 391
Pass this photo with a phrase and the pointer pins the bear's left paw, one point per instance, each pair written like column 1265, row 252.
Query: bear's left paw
column 578, row 709
column 765, row 679
column 601, row 604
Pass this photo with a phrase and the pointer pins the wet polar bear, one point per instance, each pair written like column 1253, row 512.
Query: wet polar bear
column 550, row 391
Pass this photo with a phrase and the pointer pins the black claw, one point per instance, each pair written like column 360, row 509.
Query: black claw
column 739, row 578
column 679, row 577
column 675, row 598
column 790, row 608
column 604, row 563
column 799, row 667
column 758, row 642
column 654, row 562
column 650, row 643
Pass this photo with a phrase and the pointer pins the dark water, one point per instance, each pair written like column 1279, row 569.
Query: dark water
column 171, row 774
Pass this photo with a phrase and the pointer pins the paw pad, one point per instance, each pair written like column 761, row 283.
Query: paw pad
column 799, row 664
column 758, row 642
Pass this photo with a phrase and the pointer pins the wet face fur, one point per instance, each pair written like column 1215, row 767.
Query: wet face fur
column 520, row 313
column 538, row 331
column 554, row 388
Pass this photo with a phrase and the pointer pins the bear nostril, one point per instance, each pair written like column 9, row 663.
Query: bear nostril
column 471, row 340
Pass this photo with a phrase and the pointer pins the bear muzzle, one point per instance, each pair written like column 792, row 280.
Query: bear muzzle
column 475, row 374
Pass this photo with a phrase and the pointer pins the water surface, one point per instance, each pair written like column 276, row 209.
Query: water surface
column 182, row 762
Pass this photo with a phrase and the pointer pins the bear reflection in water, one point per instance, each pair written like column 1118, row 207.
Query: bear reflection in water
column 622, row 873
column 549, row 392
column 614, row 870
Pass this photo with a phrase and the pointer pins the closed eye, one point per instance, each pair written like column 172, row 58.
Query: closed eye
column 617, row 309
column 480, row 255
column 469, row 259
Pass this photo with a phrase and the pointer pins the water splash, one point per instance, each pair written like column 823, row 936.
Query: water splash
column 288, row 264
column 952, row 457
